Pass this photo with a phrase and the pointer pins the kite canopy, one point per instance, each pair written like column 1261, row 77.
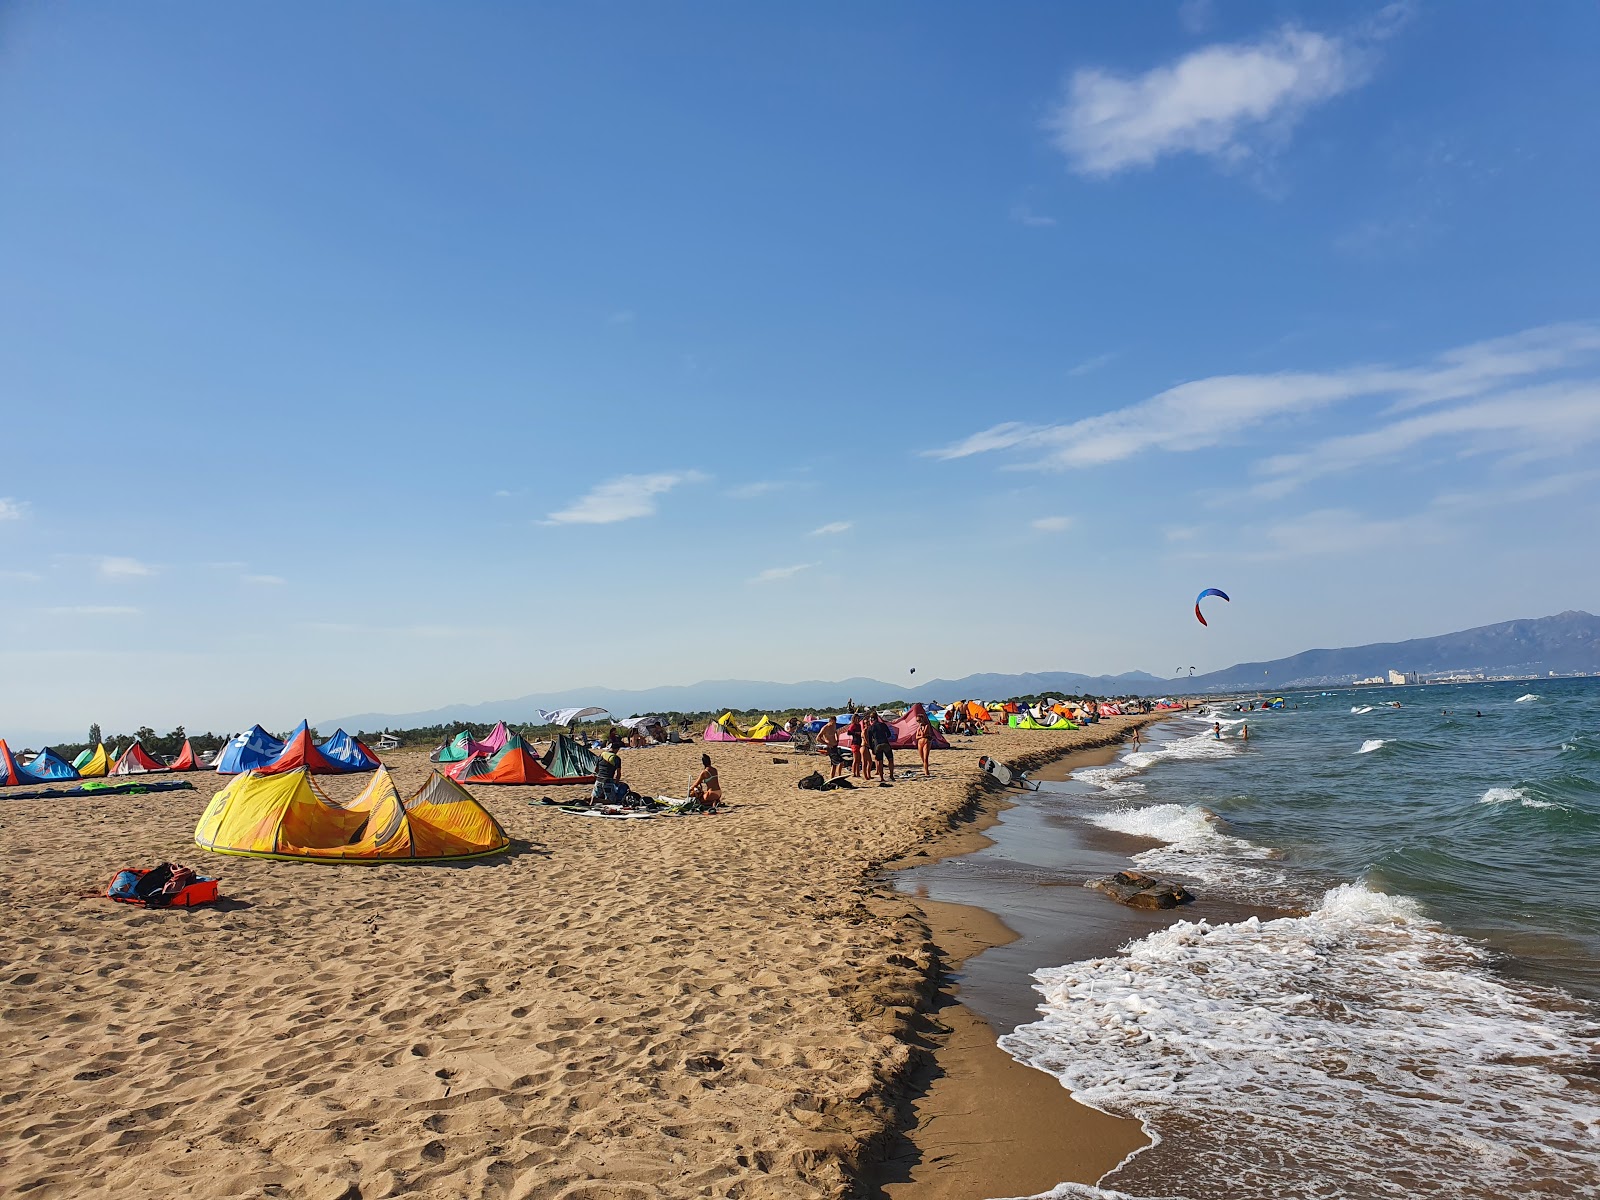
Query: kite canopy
column 187, row 759
column 10, row 769
column 514, row 764
column 351, row 753
column 1024, row 721
column 135, row 760
column 726, row 729
column 250, row 750
column 568, row 758
column 91, row 764
column 301, row 751
column 49, row 767
column 287, row 817
column 1198, row 615
column 567, row 716
column 905, row 731
column 463, row 747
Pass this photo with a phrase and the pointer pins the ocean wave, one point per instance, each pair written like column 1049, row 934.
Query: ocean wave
column 1517, row 795
column 1116, row 779
column 1371, row 744
column 1360, row 1044
column 1196, row 844
column 1525, row 699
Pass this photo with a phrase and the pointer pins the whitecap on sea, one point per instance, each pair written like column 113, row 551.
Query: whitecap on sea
column 1314, row 1055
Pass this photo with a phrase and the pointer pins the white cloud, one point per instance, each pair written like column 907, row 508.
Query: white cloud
column 1207, row 412
column 94, row 610
column 1538, row 422
column 832, row 527
column 12, row 509
column 1052, row 524
column 1221, row 101
column 266, row 580
column 115, row 567
column 774, row 574
column 21, row 576
column 1335, row 531
column 622, row 499
column 1022, row 214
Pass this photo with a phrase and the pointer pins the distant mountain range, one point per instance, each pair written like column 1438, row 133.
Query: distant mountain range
column 1565, row 644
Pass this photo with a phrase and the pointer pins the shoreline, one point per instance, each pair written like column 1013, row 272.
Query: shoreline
column 973, row 1121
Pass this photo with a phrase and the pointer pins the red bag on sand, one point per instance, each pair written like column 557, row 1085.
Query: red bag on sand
column 167, row 886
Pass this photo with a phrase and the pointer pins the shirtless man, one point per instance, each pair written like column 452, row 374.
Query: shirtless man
column 828, row 740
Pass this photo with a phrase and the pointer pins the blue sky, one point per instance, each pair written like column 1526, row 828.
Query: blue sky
column 380, row 357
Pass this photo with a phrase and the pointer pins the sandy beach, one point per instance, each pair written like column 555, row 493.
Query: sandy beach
column 725, row 1005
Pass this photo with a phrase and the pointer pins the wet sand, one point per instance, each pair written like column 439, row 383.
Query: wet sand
column 983, row 1124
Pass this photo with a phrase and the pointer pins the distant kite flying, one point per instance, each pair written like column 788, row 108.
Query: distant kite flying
column 1198, row 615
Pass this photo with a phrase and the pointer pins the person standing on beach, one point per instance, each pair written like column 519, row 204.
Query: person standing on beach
column 858, row 745
column 880, row 742
column 828, row 739
column 924, row 741
column 1135, row 737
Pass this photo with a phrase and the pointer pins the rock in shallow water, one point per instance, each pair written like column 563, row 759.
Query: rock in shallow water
column 1138, row 890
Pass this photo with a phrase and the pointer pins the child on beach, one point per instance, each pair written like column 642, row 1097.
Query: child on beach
column 1216, row 731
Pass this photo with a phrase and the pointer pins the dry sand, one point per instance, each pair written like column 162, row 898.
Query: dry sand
column 723, row 1005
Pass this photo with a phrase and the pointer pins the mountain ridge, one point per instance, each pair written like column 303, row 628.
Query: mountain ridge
column 1565, row 643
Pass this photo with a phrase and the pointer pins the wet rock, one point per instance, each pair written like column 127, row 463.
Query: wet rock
column 1138, row 890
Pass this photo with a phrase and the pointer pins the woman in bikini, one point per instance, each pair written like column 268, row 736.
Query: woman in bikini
column 707, row 789
column 924, row 741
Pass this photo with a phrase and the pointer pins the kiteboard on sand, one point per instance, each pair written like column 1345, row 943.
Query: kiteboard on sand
column 1004, row 775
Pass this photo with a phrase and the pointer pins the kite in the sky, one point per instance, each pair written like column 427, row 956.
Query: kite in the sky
column 1198, row 615
column 913, row 670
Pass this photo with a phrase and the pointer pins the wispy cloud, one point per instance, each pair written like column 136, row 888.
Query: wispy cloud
column 1052, row 524
column 622, row 499
column 1554, row 419
column 12, row 509
column 506, row 493
column 1090, row 365
column 1023, row 214
column 1224, row 102
column 1206, row 412
column 832, row 527
column 21, row 576
column 93, row 610
column 116, row 567
column 761, row 487
column 775, row 574
column 265, row 580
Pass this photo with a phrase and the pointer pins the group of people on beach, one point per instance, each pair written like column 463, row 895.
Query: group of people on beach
column 871, row 746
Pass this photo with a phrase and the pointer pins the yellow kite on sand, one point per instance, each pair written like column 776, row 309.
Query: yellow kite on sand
column 288, row 817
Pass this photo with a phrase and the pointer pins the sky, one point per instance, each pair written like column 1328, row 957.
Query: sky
column 368, row 357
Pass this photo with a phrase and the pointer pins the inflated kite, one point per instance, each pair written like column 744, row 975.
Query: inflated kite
column 1198, row 615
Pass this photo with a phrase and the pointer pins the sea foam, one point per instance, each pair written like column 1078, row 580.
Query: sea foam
column 1315, row 1055
column 1371, row 744
column 1514, row 795
column 1525, row 699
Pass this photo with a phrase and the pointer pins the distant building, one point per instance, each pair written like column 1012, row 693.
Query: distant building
column 1371, row 681
column 1396, row 678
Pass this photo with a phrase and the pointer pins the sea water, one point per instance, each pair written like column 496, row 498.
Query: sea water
column 1424, row 1024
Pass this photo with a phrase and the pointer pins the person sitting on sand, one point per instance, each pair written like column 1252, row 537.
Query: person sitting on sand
column 707, row 789
column 608, row 785
column 924, row 741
